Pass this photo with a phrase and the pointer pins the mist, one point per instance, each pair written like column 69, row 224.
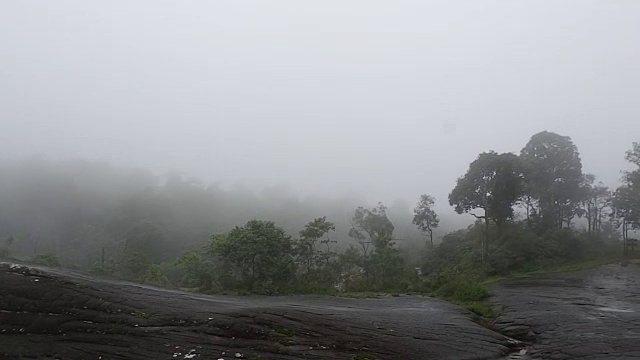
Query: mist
column 326, row 99
column 332, row 179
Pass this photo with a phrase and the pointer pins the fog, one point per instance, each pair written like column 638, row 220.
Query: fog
column 375, row 99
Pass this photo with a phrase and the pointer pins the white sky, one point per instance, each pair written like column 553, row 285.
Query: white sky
column 389, row 99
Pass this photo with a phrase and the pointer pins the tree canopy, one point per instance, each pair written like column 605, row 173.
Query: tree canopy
column 553, row 177
column 256, row 254
column 493, row 183
column 372, row 227
column 425, row 218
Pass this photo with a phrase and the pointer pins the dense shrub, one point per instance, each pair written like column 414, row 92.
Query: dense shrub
column 46, row 259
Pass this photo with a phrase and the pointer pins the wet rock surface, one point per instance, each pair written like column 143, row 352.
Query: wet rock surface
column 591, row 314
column 51, row 314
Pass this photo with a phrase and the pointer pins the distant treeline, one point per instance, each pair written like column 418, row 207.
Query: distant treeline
column 80, row 211
column 533, row 210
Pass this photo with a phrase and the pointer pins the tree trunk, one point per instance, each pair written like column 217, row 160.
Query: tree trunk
column 431, row 238
column 589, row 218
column 624, row 237
column 485, row 243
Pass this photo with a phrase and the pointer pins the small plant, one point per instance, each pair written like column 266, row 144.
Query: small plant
column 284, row 331
column 472, row 293
column 143, row 315
column 482, row 309
column 46, row 259
column 364, row 356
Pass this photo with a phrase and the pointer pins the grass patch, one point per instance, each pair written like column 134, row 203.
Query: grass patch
column 462, row 291
column 283, row 331
column 360, row 295
column 364, row 356
column 143, row 315
column 583, row 265
column 481, row 308
column 565, row 267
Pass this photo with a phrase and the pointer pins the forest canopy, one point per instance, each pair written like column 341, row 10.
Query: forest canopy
column 532, row 209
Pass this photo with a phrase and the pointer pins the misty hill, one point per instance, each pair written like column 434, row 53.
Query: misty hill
column 74, row 209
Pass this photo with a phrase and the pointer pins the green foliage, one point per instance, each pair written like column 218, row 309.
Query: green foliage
column 132, row 265
column 256, row 257
column 482, row 309
column 146, row 237
column 385, row 271
column 314, row 258
column 283, row 331
column 493, row 183
column 633, row 155
column 364, row 356
column 195, row 270
column 515, row 249
column 155, row 275
column 626, row 201
column 133, row 233
column 371, row 227
column 553, row 178
column 5, row 248
column 366, row 270
column 46, row 259
column 425, row 218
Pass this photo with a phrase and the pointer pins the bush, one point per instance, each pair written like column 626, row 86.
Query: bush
column 257, row 257
column 461, row 287
column 193, row 270
column 472, row 293
column 154, row 275
column 481, row 309
column 5, row 248
column 516, row 248
column 46, row 259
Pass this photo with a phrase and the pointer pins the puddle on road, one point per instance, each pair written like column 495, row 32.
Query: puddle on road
column 610, row 309
column 517, row 354
column 518, row 351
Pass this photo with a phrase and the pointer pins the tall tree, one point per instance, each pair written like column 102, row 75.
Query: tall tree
column 633, row 155
column 371, row 227
column 259, row 253
column 594, row 200
column 553, row 177
column 493, row 183
column 314, row 232
column 425, row 217
column 626, row 199
column 383, row 265
column 626, row 211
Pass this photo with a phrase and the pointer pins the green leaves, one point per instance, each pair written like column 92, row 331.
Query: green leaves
column 425, row 217
column 553, row 176
column 257, row 255
column 372, row 227
column 312, row 234
column 493, row 183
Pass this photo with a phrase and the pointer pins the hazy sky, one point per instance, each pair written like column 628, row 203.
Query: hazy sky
column 386, row 98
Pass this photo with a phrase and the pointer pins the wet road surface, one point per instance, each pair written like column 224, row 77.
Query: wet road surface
column 54, row 314
column 590, row 314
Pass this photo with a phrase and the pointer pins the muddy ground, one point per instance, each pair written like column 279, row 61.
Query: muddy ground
column 53, row 314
